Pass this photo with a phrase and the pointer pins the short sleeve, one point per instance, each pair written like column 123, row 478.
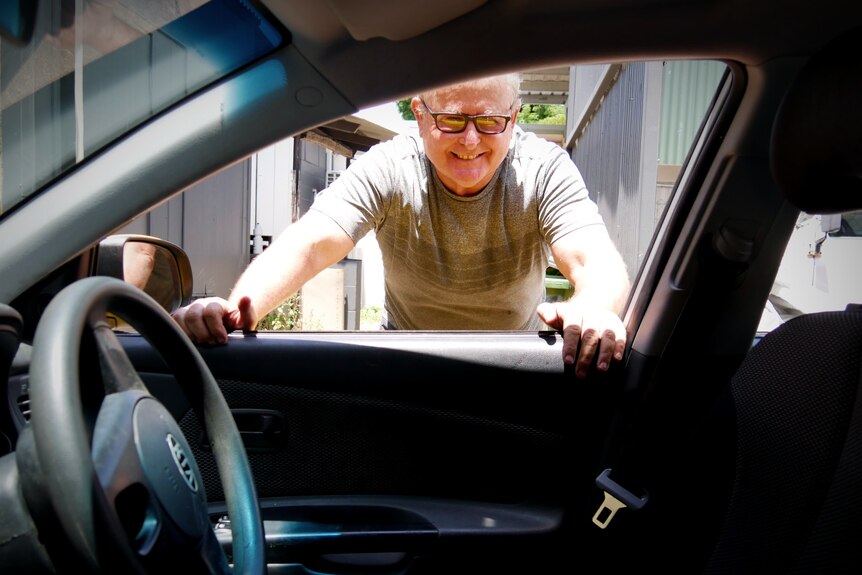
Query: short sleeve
column 564, row 203
column 358, row 200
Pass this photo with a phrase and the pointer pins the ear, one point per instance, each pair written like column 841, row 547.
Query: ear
column 416, row 106
column 421, row 116
column 517, row 111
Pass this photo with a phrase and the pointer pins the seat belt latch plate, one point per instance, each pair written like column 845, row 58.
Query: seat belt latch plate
column 616, row 498
column 607, row 510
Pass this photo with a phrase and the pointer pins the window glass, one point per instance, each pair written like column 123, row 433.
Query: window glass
column 628, row 128
column 98, row 68
column 819, row 270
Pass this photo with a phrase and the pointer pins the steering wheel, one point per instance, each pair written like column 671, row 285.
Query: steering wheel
column 125, row 492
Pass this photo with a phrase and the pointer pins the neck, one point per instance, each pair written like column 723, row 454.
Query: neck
column 465, row 192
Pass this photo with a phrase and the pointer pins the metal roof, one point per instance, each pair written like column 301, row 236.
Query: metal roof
column 546, row 86
column 348, row 135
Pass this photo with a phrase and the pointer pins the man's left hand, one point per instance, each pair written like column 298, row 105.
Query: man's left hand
column 595, row 330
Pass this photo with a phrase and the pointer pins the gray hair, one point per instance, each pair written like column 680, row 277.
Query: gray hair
column 510, row 82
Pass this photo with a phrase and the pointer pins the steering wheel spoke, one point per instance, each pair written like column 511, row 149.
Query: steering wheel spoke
column 149, row 499
column 118, row 373
column 115, row 456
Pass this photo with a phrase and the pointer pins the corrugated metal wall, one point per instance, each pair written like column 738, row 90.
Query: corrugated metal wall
column 210, row 222
column 688, row 89
column 648, row 117
column 616, row 155
column 583, row 81
column 34, row 151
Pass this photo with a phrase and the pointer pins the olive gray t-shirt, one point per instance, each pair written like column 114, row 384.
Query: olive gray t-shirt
column 454, row 262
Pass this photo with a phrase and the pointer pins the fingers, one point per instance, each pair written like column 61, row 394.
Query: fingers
column 590, row 342
column 593, row 337
column 214, row 330
column 548, row 313
column 571, row 342
column 609, row 350
column 566, row 319
column 247, row 314
column 599, row 350
column 620, row 346
column 203, row 320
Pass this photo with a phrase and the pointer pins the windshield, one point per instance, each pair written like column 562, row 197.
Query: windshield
column 96, row 69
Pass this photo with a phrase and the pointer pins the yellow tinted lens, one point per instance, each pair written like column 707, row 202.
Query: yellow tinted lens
column 450, row 123
column 492, row 124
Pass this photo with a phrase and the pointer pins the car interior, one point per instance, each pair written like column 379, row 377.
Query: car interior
column 713, row 447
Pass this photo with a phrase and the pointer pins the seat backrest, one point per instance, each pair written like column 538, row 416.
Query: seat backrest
column 796, row 500
column 796, row 504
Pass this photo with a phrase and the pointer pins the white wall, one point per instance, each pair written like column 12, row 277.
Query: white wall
column 368, row 251
column 272, row 188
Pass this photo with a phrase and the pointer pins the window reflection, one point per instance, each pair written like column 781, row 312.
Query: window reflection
column 96, row 69
column 153, row 269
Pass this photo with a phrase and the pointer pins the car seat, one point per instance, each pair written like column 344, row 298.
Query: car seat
column 796, row 498
column 769, row 480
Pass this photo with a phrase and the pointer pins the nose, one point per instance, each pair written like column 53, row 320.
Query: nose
column 470, row 137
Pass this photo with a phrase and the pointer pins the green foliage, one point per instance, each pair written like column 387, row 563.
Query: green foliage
column 370, row 313
column 286, row 317
column 404, row 109
column 542, row 114
column 369, row 318
column 529, row 114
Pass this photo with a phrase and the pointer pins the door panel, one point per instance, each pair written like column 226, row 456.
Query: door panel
column 412, row 442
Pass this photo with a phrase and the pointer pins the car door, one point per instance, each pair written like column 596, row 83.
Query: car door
column 421, row 452
column 444, row 451
column 386, row 448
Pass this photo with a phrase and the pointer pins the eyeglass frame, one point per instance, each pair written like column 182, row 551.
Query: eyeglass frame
column 468, row 118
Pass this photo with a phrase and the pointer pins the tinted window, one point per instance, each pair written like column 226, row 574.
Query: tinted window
column 819, row 270
column 89, row 77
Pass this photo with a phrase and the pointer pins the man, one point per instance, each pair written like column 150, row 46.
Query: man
column 466, row 220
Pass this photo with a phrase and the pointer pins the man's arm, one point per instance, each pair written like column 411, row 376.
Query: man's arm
column 302, row 251
column 591, row 262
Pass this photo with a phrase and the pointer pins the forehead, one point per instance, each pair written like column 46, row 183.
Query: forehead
column 471, row 99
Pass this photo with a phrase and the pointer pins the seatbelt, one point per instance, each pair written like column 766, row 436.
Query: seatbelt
column 646, row 440
column 623, row 483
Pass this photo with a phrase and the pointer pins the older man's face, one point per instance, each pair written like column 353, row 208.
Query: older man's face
column 465, row 162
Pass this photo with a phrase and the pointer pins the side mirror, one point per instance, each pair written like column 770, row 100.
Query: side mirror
column 158, row 267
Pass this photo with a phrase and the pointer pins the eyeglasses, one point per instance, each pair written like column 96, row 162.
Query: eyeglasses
column 452, row 123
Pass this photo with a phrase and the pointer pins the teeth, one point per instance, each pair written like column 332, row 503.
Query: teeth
column 460, row 157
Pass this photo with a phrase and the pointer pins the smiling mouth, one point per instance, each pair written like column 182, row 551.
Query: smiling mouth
column 466, row 156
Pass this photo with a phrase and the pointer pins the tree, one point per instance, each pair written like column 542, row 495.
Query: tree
column 405, row 110
column 542, row 114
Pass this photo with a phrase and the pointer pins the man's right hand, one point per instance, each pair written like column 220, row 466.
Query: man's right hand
column 209, row 320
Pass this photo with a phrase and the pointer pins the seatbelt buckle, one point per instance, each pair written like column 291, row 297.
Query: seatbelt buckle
column 616, row 498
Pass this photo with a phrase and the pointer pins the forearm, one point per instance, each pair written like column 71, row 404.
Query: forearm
column 602, row 283
column 301, row 252
column 268, row 281
column 591, row 262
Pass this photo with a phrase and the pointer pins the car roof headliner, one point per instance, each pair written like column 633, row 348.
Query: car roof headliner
column 423, row 46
